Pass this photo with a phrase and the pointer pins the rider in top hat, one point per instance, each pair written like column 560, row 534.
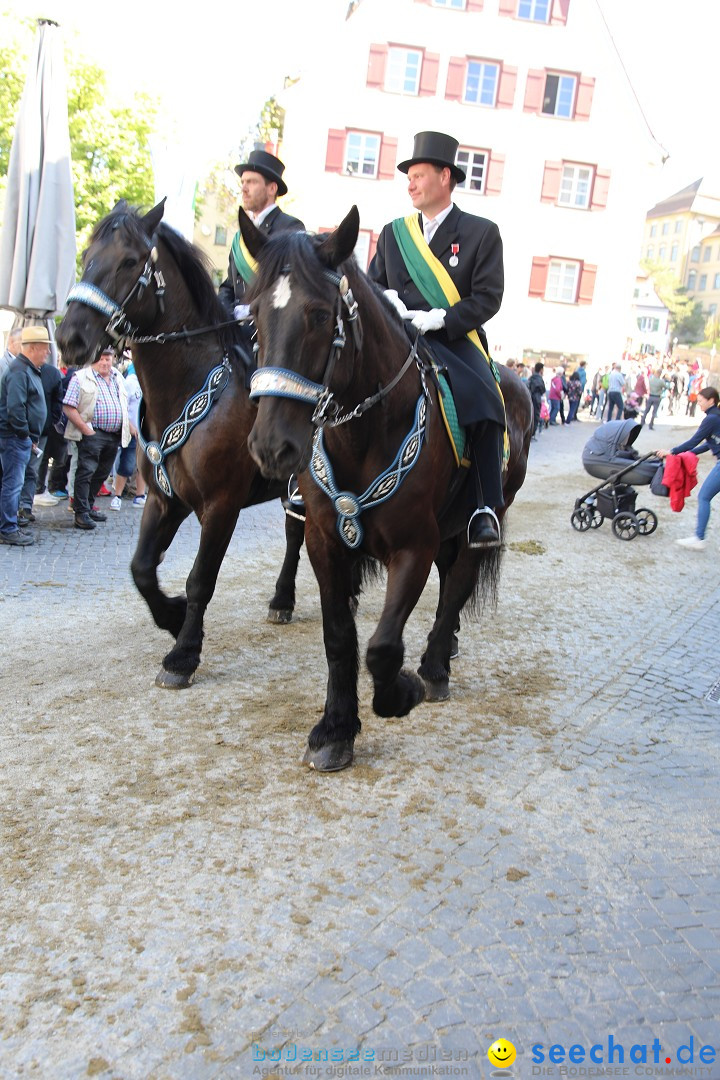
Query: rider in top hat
column 443, row 269
column 262, row 182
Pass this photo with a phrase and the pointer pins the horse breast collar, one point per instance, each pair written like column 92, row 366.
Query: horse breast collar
column 349, row 506
column 179, row 431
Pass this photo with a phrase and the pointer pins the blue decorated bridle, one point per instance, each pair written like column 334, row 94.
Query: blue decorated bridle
column 284, row 383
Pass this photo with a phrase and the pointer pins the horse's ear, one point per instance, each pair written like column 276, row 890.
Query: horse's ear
column 120, row 206
column 153, row 217
column 254, row 239
column 341, row 243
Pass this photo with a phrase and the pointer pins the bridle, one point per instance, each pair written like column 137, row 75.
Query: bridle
column 119, row 328
column 284, row 383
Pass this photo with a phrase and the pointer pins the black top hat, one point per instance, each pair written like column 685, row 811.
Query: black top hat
column 436, row 148
column 268, row 166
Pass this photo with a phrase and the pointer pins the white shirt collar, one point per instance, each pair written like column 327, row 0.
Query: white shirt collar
column 262, row 214
column 439, row 218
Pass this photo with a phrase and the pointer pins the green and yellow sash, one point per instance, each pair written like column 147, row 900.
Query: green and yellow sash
column 246, row 265
column 437, row 287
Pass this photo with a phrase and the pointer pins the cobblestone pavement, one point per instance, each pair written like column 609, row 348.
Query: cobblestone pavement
column 536, row 860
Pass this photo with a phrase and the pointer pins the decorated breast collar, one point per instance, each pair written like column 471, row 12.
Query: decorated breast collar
column 348, row 506
column 179, row 431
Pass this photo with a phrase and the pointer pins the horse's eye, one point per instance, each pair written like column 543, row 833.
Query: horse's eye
column 319, row 318
column 128, row 264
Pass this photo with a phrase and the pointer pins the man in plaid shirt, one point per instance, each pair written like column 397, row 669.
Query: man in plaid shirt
column 96, row 407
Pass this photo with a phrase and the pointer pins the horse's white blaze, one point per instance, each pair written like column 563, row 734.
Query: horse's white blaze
column 282, row 292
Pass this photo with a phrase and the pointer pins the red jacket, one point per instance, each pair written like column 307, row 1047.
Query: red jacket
column 680, row 475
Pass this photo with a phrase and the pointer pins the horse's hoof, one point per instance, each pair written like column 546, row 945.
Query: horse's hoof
column 172, row 680
column 279, row 615
column 438, row 690
column 330, row 758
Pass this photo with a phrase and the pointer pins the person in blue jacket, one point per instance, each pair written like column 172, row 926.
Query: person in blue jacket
column 707, row 437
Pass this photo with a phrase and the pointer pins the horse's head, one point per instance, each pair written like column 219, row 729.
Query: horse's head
column 117, row 272
column 307, row 333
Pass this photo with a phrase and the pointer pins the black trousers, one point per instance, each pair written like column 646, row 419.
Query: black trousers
column 96, row 455
column 486, row 450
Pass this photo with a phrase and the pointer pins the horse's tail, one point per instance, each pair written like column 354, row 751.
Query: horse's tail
column 485, row 593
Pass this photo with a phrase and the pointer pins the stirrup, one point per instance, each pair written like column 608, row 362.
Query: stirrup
column 495, row 541
column 294, row 505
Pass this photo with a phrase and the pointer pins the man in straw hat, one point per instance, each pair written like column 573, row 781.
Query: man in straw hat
column 22, row 418
column 262, row 182
column 443, row 269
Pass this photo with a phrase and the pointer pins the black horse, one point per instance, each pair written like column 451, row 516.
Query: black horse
column 142, row 281
column 357, row 409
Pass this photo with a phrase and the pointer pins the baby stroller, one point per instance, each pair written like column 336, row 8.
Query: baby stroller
column 608, row 456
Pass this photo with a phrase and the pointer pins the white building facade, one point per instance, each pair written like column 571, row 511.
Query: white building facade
column 551, row 137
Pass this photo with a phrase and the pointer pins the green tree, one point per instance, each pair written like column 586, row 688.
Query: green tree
column 686, row 314
column 109, row 144
column 271, row 123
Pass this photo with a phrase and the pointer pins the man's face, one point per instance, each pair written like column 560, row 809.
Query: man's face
column 14, row 344
column 103, row 365
column 428, row 188
column 37, row 353
column 257, row 192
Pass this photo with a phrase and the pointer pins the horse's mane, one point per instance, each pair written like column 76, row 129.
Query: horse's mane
column 192, row 263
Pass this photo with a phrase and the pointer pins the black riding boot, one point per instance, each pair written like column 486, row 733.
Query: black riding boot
column 486, row 468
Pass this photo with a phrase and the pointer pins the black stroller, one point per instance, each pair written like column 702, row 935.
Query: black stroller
column 608, row 456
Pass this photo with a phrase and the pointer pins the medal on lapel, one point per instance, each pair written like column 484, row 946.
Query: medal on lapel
column 453, row 260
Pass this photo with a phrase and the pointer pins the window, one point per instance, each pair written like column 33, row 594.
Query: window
column 458, row 5
column 474, row 164
column 220, row 235
column 716, row 281
column 650, row 252
column 703, row 282
column 648, row 324
column 678, row 226
column 673, row 253
column 653, row 230
column 362, row 249
column 361, row 154
column 661, row 252
column 695, row 254
column 665, row 228
column 575, row 186
column 559, row 96
column 562, row 281
column 481, row 81
column 402, row 75
column 534, row 10
column 707, row 254
column 692, row 277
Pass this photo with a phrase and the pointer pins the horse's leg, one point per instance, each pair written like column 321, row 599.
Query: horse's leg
column 181, row 663
column 460, row 584
column 330, row 744
column 161, row 520
column 282, row 604
column 397, row 690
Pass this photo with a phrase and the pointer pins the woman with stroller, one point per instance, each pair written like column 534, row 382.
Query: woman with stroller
column 707, row 437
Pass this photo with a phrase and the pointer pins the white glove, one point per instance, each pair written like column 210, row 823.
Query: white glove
column 429, row 320
column 241, row 311
column 397, row 303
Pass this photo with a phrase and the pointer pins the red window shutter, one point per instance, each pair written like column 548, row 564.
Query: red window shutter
column 376, row 66
column 373, row 246
column 600, row 189
column 327, row 229
column 474, row 5
column 534, row 90
column 587, row 284
column 429, row 74
column 538, row 276
column 455, row 78
column 506, row 89
column 508, row 7
column 551, row 182
column 558, row 16
column 423, row 1
column 584, row 98
column 388, row 158
column 335, row 157
column 494, row 179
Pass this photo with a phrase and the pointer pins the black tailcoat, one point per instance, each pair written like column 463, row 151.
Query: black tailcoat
column 232, row 290
column 479, row 279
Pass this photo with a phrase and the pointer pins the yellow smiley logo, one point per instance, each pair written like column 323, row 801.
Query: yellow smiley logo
column 501, row 1053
